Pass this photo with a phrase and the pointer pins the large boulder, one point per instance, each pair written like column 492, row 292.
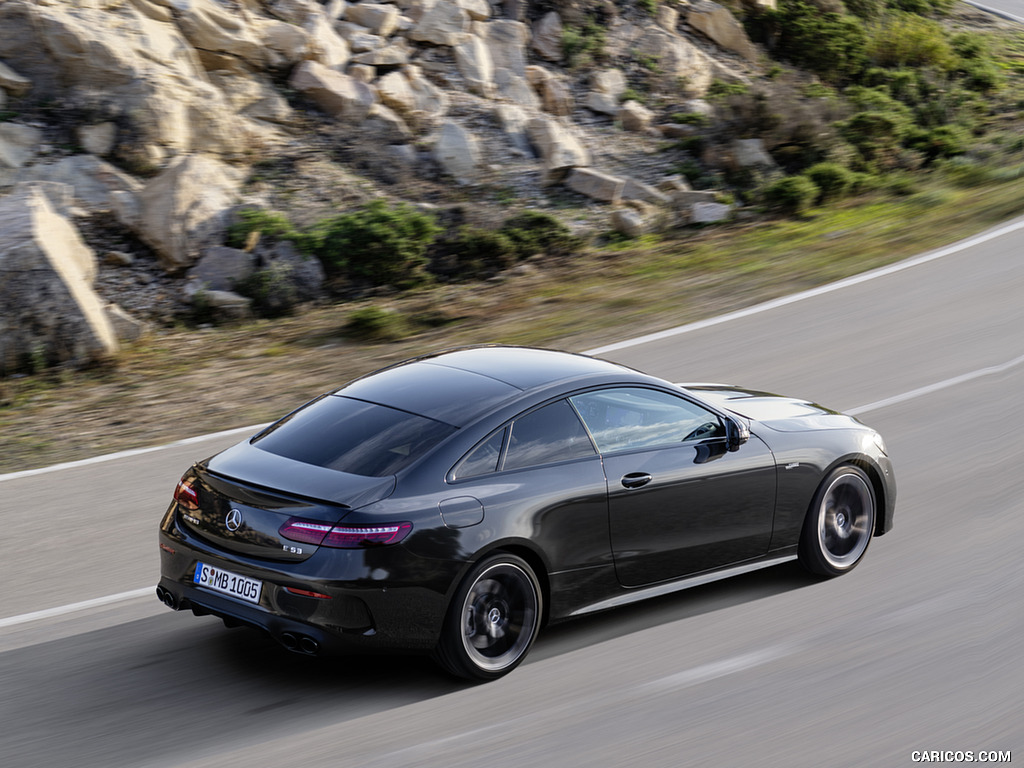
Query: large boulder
column 675, row 58
column 458, row 153
column 558, row 147
column 94, row 182
column 596, row 184
column 184, row 209
column 547, row 36
column 474, row 61
column 209, row 27
column 336, row 94
column 506, row 41
column 444, row 24
column 379, row 18
column 717, row 22
column 142, row 67
column 48, row 310
column 18, row 144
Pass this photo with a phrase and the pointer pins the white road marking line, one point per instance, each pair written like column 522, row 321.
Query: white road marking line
column 85, row 605
column 809, row 294
column 996, row 12
column 131, row 452
column 928, row 389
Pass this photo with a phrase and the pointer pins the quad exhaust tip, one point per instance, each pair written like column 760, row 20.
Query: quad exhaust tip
column 299, row 643
column 167, row 598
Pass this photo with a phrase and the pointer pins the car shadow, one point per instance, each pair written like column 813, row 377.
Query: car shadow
column 175, row 685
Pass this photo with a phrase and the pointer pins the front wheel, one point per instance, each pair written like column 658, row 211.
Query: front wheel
column 492, row 620
column 839, row 524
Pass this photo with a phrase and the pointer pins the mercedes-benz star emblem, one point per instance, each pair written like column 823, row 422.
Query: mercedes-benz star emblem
column 234, row 520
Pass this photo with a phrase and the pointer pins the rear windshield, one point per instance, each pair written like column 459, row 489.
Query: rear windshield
column 353, row 436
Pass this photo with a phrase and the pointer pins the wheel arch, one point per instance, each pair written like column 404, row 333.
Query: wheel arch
column 869, row 468
column 520, row 549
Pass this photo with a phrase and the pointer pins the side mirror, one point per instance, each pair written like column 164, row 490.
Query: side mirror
column 737, row 433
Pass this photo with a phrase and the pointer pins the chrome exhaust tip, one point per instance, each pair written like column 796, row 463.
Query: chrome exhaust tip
column 309, row 645
column 167, row 598
column 289, row 641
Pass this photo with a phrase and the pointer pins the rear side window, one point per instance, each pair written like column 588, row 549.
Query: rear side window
column 549, row 434
column 353, row 436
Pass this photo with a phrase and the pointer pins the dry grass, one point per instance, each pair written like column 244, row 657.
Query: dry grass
column 179, row 383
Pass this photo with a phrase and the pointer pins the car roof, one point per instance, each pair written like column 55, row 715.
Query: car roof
column 460, row 385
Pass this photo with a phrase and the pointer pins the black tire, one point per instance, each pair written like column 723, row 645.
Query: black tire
column 839, row 524
column 493, row 619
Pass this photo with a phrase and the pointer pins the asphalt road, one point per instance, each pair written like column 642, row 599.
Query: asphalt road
column 1008, row 9
column 920, row 648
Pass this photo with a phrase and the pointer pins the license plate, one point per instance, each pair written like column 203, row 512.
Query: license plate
column 228, row 583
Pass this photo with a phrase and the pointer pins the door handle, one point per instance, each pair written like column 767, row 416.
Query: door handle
column 635, row 479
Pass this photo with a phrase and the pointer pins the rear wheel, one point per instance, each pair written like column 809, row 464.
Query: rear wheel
column 839, row 524
column 492, row 620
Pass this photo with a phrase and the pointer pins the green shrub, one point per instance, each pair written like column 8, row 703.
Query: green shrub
column 377, row 244
column 922, row 7
column 865, row 9
column 721, row 89
column 981, row 75
column 943, row 141
column 533, row 232
column 791, row 194
column 689, row 118
column 908, row 40
column 902, row 184
column 268, row 224
column 876, row 135
column 375, row 324
column 830, row 44
column 477, row 252
column 273, row 294
column 832, row 179
column 582, row 46
column 877, row 100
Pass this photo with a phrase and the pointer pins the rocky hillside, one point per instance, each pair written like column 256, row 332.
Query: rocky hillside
column 134, row 132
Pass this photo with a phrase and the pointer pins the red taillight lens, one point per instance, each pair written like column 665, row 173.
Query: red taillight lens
column 305, row 531
column 344, row 536
column 186, row 495
column 355, row 536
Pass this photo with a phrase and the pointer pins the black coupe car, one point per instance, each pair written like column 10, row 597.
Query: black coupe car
column 457, row 502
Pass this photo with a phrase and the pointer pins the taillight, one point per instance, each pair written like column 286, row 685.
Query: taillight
column 344, row 536
column 186, row 495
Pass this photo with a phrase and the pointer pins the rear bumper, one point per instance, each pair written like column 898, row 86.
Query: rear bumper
column 367, row 609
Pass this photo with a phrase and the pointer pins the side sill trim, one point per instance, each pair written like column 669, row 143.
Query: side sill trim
column 635, row 595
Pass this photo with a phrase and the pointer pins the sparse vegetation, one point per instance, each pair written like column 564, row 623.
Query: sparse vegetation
column 792, row 195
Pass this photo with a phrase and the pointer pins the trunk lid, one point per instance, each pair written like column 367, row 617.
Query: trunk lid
column 245, row 496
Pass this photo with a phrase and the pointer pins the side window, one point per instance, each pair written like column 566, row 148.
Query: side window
column 551, row 433
column 484, row 458
column 627, row 418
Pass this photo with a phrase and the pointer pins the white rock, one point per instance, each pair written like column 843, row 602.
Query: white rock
column 18, row 144
column 337, row 94
column 547, row 36
column 184, row 209
column 444, row 24
column 458, row 153
column 97, row 139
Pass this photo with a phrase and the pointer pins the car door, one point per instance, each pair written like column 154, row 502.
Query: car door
column 539, row 478
column 679, row 501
